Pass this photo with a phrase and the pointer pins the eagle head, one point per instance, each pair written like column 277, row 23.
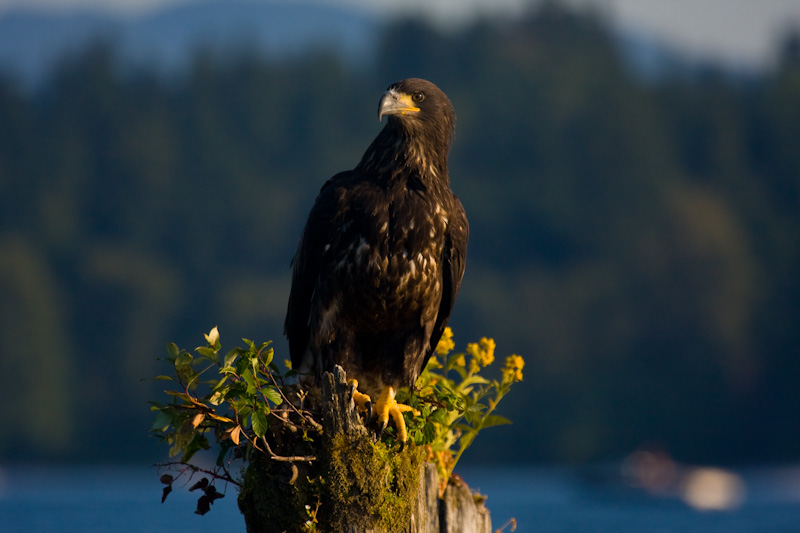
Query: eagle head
column 416, row 100
column 421, row 116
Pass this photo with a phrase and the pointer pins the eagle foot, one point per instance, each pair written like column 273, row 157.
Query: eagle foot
column 362, row 401
column 387, row 406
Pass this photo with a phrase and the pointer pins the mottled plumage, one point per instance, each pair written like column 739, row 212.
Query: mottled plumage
column 382, row 254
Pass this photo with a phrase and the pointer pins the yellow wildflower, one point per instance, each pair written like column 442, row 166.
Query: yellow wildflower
column 461, row 360
column 475, row 356
column 513, row 368
column 446, row 342
column 482, row 353
column 433, row 363
column 474, row 366
column 474, row 350
column 487, row 351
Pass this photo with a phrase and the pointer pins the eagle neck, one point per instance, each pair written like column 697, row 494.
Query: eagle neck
column 397, row 153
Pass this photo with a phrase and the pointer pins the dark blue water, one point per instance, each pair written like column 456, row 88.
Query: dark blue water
column 127, row 500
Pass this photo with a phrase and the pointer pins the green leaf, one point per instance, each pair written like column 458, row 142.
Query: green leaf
column 429, row 434
column 237, row 390
column 162, row 420
column 247, row 375
column 173, row 350
column 466, row 440
column 439, row 416
column 198, row 442
column 464, row 427
column 207, row 352
column 259, row 420
column 494, row 420
column 163, row 378
column 230, row 357
column 182, row 395
column 218, row 397
column 473, row 418
column 476, row 408
column 272, row 394
column 268, row 354
column 243, row 364
column 220, row 384
column 244, row 412
column 448, row 387
column 183, row 437
column 183, row 366
column 473, row 380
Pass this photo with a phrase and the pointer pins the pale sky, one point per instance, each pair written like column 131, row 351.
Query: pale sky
column 741, row 32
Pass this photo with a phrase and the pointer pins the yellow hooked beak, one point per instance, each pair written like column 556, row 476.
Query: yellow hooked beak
column 395, row 103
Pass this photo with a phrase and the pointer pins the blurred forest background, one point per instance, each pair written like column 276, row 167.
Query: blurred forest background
column 636, row 238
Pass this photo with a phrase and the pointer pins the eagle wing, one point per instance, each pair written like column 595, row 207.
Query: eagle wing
column 308, row 265
column 454, row 256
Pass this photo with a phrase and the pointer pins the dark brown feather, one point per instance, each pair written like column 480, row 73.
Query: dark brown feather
column 381, row 258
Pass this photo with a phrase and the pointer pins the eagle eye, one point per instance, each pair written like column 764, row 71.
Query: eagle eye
column 418, row 97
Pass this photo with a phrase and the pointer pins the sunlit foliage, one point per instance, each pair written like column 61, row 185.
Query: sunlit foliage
column 240, row 403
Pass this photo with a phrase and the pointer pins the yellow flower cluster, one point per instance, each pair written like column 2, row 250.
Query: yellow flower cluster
column 482, row 353
column 446, row 343
column 513, row 370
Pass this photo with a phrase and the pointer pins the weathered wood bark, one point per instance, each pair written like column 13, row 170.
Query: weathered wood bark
column 355, row 485
column 460, row 513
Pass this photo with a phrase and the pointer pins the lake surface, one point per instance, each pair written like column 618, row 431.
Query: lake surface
column 127, row 500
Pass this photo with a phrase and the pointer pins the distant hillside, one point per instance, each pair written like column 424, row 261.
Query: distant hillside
column 32, row 42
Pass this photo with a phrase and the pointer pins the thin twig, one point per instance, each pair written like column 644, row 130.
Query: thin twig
column 227, row 478
column 288, row 459
column 305, row 417
column 227, row 474
column 512, row 523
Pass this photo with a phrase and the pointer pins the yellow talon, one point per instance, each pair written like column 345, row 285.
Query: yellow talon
column 363, row 401
column 388, row 406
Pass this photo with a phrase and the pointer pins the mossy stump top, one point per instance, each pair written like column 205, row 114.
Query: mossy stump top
column 355, row 484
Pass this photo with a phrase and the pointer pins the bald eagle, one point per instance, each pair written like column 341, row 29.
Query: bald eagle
column 380, row 261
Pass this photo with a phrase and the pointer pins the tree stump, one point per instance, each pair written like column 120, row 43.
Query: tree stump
column 355, row 484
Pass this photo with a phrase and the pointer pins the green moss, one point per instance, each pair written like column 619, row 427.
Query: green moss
column 355, row 483
column 370, row 485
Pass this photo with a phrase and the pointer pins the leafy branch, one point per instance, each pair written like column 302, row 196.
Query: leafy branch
column 240, row 400
column 456, row 401
column 234, row 398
